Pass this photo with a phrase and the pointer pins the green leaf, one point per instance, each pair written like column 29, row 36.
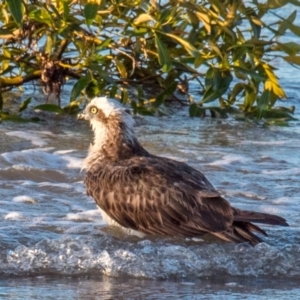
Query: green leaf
column 1, row 102
column 41, row 15
column 124, row 96
column 250, row 97
column 289, row 48
column 186, row 45
column 93, row 89
column 263, row 101
column 16, row 118
column 285, row 24
column 295, row 29
column 16, row 9
column 50, row 107
column 66, row 9
column 277, row 114
column 24, row 104
column 163, row 95
column 79, row 86
column 195, row 110
column 248, row 72
column 237, row 89
column 72, row 108
column 90, row 12
column 163, row 55
column 113, row 91
column 220, row 82
column 292, row 59
column 49, row 44
column 279, row 3
column 256, row 29
column 121, row 68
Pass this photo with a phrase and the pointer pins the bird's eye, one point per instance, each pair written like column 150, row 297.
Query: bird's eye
column 94, row 110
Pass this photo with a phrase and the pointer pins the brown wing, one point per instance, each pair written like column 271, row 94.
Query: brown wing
column 158, row 196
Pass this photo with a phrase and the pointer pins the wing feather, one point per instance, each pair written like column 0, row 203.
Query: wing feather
column 154, row 195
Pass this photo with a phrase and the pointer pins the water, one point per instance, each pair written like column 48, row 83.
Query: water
column 52, row 234
column 54, row 244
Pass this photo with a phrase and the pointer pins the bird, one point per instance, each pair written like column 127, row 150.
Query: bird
column 147, row 194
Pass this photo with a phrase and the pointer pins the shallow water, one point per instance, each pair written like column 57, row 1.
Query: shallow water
column 50, row 228
column 55, row 245
column 127, row 288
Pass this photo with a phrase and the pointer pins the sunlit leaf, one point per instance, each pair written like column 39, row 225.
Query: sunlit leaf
column 48, row 44
column 275, row 88
column 124, row 96
column 271, row 75
column 249, row 100
column 187, row 46
column 121, row 68
column 204, row 18
column 142, row 18
column 41, row 15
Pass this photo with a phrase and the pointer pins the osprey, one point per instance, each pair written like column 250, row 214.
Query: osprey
column 155, row 195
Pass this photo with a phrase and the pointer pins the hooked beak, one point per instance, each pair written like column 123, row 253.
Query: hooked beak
column 82, row 116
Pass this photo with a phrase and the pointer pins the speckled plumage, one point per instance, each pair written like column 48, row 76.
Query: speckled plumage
column 155, row 195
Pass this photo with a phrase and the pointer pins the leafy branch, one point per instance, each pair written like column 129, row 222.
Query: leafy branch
column 154, row 51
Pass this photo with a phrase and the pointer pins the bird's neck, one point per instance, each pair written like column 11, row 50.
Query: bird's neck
column 111, row 146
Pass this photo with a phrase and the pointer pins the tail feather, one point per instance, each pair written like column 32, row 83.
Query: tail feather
column 242, row 228
column 257, row 217
column 241, row 232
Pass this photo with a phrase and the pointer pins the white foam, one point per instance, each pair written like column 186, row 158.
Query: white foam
column 89, row 215
column 269, row 143
column 55, row 184
column 13, row 216
column 73, row 162
column 24, row 199
column 291, row 171
column 64, row 151
column 283, row 200
column 41, row 158
column 33, row 136
column 228, row 159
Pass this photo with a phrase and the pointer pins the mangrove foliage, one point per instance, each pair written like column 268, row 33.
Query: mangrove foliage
column 217, row 55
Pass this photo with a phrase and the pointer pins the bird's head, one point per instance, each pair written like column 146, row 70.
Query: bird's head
column 108, row 118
